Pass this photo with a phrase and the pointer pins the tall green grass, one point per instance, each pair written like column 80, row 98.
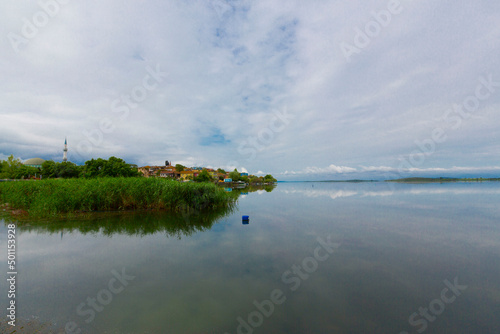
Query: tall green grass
column 60, row 196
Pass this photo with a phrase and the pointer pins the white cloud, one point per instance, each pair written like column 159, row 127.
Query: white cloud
column 329, row 169
column 385, row 172
column 322, row 170
column 231, row 64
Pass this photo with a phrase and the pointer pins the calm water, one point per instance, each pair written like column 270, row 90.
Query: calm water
column 314, row 258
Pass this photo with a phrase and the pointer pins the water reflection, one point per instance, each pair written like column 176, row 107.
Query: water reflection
column 132, row 224
column 383, row 189
column 397, row 246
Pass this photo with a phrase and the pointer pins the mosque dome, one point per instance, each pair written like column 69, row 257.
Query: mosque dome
column 34, row 162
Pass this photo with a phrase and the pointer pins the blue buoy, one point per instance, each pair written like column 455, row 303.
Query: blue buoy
column 245, row 217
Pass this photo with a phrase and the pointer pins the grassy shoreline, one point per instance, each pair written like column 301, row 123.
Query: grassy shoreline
column 72, row 196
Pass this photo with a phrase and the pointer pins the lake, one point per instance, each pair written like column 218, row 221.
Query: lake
column 313, row 258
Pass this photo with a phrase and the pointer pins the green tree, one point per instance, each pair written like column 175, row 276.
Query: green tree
column 179, row 168
column 220, row 170
column 67, row 170
column 235, row 175
column 113, row 167
column 92, row 168
column 269, row 179
column 49, row 169
column 13, row 168
column 3, row 165
column 28, row 171
column 203, row 176
column 255, row 179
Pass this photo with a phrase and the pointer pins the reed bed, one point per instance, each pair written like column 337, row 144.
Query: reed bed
column 62, row 196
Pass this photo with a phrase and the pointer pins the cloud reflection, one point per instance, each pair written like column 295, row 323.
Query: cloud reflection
column 384, row 192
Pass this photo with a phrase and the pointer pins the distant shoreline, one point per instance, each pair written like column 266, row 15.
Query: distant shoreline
column 441, row 179
column 409, row 180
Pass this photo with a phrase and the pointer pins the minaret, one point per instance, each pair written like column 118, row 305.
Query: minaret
column 65, row 156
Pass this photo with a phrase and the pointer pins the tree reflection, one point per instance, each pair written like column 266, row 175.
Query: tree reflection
column 139, row 223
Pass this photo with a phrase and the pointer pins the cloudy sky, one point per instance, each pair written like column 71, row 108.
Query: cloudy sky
column 300, row 89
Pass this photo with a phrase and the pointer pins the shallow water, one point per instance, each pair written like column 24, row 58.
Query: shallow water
column 314, row 258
